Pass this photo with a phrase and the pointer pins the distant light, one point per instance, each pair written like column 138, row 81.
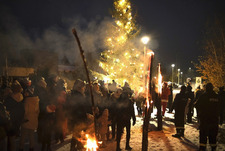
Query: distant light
column 181, row 72
column 189, row 68
column 173, row 65
column 145, row 40
column 178, row 69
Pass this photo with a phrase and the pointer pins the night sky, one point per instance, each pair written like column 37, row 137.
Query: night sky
column 175, row 26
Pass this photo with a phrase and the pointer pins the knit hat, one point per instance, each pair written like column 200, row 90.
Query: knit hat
column 16, row 87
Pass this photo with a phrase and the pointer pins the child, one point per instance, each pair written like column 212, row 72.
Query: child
column 103, row 128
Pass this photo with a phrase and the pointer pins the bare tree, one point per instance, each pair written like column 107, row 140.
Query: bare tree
column 212, row 64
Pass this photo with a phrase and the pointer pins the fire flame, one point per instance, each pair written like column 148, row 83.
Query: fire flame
column 150, row 53
column 159, row 80
column 91, row 144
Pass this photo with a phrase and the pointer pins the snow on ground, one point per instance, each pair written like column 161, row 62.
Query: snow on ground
column 158, row 140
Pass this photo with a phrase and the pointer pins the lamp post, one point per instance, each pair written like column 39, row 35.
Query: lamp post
column 178, row 76
column 173, row 65
column 181, row 77
column 145, row 41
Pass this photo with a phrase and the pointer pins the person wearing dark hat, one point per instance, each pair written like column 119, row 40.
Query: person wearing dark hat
column 125, row 111
column 46, row 115
column 190, row 96
column 60, row 113
column 77, row 108
column 179, row 105
column 208, row 108
column 14, row 105
column 31, row 105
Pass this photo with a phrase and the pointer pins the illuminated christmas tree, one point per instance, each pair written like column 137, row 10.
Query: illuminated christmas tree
column 122, row 61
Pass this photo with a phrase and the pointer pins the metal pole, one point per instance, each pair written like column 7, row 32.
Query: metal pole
column 172, row 75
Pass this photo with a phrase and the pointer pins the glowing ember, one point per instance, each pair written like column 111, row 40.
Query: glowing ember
column 91, row 144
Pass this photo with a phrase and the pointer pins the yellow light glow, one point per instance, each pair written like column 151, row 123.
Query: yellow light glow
column 122, row 2
column 123, row 61
column 159, row 80
column 91, row 144
column 145, row 40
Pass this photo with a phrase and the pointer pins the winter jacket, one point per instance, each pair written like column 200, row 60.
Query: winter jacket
column 31, row 105
column 4, row 120
column 103, row 122
column 165, row 93
column 77, row 107
column 208, row 107
column 179, row 105
column 60, row 112
column 15, row 107
column 125, row 109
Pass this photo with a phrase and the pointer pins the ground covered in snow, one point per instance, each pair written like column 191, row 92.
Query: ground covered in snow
column 158, row 140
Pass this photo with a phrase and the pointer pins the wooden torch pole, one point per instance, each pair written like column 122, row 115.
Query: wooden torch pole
column 87, row 74
column 147, row 109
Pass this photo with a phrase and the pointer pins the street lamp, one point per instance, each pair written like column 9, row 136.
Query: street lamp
column 178, row 76
column 173, row 65
column 145, row 41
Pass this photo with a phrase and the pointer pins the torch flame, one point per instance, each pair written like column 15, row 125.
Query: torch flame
column 91, row 144
column 159, row 80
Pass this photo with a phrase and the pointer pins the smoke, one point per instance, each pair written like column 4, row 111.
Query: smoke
column 54, row 39
column 12, row 36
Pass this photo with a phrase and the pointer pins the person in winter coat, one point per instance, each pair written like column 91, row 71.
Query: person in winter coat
column 170, row 98
column 4, row 120
column 78, row 107
column 125, row 111
column 113, row 100
column 164, row 97
column 198, row 93
column 60, row 113
column 221, row 96
column 140, row 102
column 179, row 105
column 98, row 97
column 103, row 121
column 46, row 115
column 31, row 105
column 190, row 104
column 15, row 107
column 208, row 108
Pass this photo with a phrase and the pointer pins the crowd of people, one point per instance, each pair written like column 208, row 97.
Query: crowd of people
column 50, row 110
column 210, row 112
